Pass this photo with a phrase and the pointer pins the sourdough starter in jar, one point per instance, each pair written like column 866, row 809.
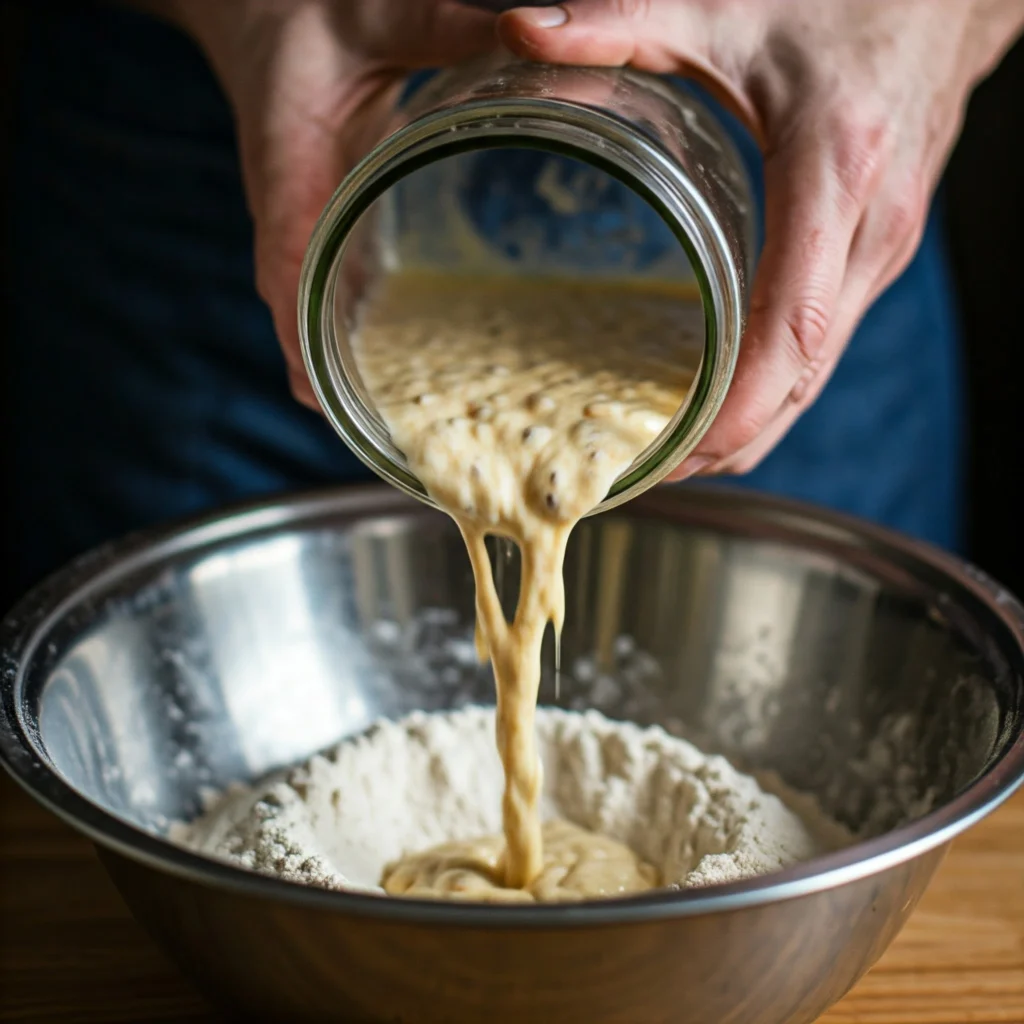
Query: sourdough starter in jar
column 518, row 402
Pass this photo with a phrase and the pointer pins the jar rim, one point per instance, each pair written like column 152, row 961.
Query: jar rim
column 597, row 138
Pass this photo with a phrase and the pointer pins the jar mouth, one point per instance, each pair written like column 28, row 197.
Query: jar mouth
column 595, row 138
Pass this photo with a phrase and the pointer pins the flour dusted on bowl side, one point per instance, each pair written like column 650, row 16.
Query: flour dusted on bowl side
column 341, row 818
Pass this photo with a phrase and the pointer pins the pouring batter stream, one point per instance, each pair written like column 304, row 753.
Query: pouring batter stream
column 517, row 404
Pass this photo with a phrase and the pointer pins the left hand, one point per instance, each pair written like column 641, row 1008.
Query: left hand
column 312, row 82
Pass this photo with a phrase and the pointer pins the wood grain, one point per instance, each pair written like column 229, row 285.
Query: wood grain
column 70, row 952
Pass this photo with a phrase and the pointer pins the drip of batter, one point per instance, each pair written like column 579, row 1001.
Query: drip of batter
column 517, row 404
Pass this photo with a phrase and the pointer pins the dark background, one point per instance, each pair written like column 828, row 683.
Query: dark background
column 985, row 215
column 8, row 49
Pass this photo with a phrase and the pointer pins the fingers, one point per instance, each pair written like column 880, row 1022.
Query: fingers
column 662, row 38
column 600, row 32
column 810, row 218
column 847, row 191
column 884, row 243
column 811, row 214
column 886, row 238
column 890, row 233
column 323, row 94
column 852, row 303
column 303, row 159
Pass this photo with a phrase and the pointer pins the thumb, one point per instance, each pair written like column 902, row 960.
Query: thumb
column 665, row 39
column 602, row 32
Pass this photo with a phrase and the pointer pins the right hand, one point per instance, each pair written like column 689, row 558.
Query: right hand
column 858, row 103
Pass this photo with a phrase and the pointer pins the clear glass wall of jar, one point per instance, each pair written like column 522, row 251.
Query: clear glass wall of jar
column 514, row 167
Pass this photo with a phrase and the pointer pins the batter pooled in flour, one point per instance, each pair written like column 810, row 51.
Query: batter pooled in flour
column 577, row 863
column 653, row 805
column 517, row 404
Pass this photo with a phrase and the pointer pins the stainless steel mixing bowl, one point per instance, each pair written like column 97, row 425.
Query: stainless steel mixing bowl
column 882, row 676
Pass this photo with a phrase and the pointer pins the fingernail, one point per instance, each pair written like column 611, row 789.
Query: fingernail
column 543, row 17
column 693, row 465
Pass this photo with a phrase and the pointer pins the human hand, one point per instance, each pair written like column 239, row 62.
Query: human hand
column 857, row 104
column 311, row 83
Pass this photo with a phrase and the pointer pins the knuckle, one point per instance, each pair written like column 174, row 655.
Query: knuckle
column 798, row 394
column 806, row 325
column 903, row 216
column 861, row 142
column 744, row 429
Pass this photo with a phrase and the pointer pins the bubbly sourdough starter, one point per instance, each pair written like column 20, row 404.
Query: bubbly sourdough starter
column 518, row 403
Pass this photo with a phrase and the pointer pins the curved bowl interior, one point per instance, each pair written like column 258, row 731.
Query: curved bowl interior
column 884, row 678
column 857, row 669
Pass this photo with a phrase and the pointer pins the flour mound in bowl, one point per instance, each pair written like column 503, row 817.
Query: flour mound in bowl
column 339, row 819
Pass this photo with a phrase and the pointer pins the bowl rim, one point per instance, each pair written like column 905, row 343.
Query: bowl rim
column 24, row 757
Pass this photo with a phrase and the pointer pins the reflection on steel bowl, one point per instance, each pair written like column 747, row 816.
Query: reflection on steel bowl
column 875, row 673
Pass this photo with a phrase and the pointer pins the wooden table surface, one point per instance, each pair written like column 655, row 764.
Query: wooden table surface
column 69, row 951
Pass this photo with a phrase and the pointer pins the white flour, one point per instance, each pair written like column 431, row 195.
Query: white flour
column 405, row 786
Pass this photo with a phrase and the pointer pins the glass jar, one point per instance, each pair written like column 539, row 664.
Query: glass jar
column 514, row 167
